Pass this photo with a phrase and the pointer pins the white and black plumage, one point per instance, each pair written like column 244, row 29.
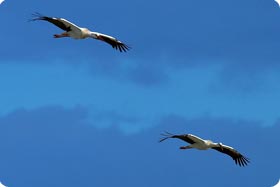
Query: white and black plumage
column 76, row 32
column 201, row 144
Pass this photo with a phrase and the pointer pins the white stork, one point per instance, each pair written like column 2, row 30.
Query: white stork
column 201, row 144
column 76, row 32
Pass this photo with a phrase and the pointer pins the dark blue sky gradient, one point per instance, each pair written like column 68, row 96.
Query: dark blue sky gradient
column 54, row 146
column 79, row 113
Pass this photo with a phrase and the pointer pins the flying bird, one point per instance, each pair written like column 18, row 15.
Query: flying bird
column 1, row 1
column 76, row 32
column 201, row 144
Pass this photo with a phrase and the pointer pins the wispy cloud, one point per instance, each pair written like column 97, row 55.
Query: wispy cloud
column 191, row 93
column 61, row 140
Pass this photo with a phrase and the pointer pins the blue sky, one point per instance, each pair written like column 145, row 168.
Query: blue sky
column 79, row 113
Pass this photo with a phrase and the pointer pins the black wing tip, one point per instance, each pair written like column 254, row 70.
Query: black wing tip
column 37, row 16
column 121, row 47
column 166, row 136
column 242, row 161
column 115, row 43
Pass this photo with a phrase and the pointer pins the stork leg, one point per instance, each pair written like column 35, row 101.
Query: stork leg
column 65, row 34
column 185, row 147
